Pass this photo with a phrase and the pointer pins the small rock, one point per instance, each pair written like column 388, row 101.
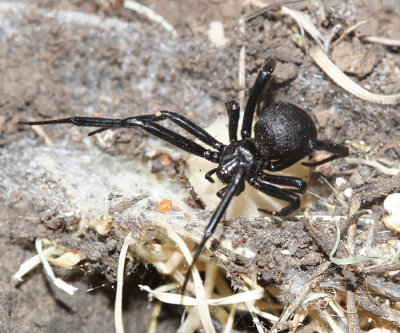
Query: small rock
column 353, row 58
column 285, row 72
column 289, row 53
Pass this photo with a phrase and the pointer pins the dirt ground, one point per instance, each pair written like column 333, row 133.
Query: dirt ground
column 96, row 58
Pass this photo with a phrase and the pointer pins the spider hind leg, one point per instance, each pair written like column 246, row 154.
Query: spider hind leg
column 338, row 151
column 279, row 193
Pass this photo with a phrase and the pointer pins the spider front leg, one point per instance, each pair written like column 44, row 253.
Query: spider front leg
column 338, row 150
column 173, row 138
column 186, row 124
column 261, row 81
column 231, row 190
column 147, row 123
column 233, row 113
column 276, row 192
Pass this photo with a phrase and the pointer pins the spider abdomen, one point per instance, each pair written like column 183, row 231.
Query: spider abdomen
column 285, row 129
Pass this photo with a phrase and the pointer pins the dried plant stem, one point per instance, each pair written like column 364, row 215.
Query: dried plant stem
column 322, row 60
column 318, row 274
column 359, row 24
column 382, row 40
column 119, row 326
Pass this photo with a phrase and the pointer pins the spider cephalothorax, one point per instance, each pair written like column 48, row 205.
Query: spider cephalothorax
column 283, row 135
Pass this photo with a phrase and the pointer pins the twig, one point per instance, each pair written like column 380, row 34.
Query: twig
column 352, row 316
column 253, row 314
column 323, row 240
column 331, row 35
column 352, row 229
column 336, row 193
column 381, row 310
column 357, row 25
column 193, row 319
column 331, row 322
column 382, row 40
column 302, row 295
column 386, row 289
column 381, row 268
column 350, row 259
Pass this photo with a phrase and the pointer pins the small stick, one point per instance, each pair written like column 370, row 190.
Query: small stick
column 382, row 40
column 352, row 316
column 318, row 274
column 359, row 24
column 381, row 310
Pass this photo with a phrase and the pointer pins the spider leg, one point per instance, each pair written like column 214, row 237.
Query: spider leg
column 222, row 191
column 98, row 131
column 233, row 113
column 298, row 183
column 145, row 123
column 178, row 119
column 280, row 193
column 338, row 150
column 78, row 121
column 209, row 173
column 261, row 81
column 282, row 164
column 237, row 181
column 186, row 124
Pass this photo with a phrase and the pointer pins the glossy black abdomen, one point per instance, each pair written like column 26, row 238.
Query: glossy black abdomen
column 285, row 129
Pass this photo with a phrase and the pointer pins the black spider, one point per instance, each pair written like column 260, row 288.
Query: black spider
column 284, row 134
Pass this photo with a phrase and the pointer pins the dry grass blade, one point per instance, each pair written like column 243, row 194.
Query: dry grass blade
column 154, row 317
column 200, row 293
column 69, row 289
column 318, row 274
column 374, row 164
column 231, row 318
column 305, row 23
column 382, row 40
column 150, row 14
column 253, row 312
column 40, row 132
column 32, row 262
column 346, row 83
column 119, row 326
column 171, row 298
